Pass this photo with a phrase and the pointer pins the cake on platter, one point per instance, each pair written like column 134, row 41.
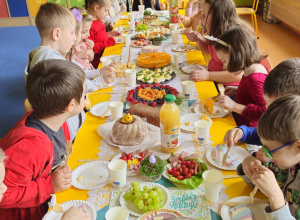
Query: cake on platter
column 154, row 60
column 130, row 130
column 218, row 154
column 150, row 18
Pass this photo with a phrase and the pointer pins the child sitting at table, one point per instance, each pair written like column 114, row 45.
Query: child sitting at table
column 36, row 145
column 114, row 13
column 281, row 81
column 237, row 49
column 278, row 129
column 80, row 48
column 99, row 9
column 153, row 4
column 217, row 17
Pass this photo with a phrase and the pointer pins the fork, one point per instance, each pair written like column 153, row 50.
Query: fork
column 69, row 151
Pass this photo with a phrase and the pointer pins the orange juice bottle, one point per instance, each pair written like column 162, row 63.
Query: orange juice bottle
column 170, row 125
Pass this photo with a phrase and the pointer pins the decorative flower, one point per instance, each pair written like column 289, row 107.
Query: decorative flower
column 77, row 13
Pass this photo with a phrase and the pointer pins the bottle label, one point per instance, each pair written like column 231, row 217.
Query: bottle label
column 170, row 135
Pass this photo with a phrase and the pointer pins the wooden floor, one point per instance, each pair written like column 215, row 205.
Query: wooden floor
column 277, row 40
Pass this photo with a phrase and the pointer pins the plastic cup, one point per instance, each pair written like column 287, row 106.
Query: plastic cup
column 117, row 213
column 131, row 17
column 105, row 61
column 178, row 58
column 126, row 39
column 131, row 77
column 131, row 26
column 202, row 130
column 142, row 9
column 212, row 184
column 173, row 27
column 188, row 89
column 175, row 36
column 116, row 108
column 117, row 169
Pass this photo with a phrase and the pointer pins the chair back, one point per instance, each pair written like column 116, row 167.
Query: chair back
column 266, row 63
column 255, row 5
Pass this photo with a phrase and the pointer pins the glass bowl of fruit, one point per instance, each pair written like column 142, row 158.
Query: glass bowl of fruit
column 157, row 41
column 151, row 168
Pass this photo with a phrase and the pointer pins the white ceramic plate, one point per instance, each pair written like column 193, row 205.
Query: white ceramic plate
column 94, row 174
column 189, row 118
column 133, row 45
column 184, row 48
column 133, row 210
column 129, row 172
column 100, row 108
column 51, row 215
column 171, row 213
column 218, row 111
column 257, row 209
column 190, row 67
column 235, row 152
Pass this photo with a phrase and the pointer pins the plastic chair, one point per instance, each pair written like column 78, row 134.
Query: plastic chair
column 27, row 106
column 250, row 11
column 266, row 63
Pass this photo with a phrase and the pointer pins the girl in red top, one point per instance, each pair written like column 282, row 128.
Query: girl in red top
column 237, row 49
column 99, row 9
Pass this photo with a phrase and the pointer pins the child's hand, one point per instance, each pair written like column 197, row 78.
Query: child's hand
column 61, row 179
column 90, row 44
column 110, row 26
column 199, row 75
column 262, row 156
column 75, row 213
column 230, row 90
column 195, row 36
column 123, row 9
column 248, row 164
column 180, row 17
column 90, row 55
column 232, row 136
column 113, row 33
column 226, row 102
column 265, row 179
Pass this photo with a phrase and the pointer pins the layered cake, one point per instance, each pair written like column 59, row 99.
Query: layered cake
column 154, row 60
column 241, row 212
column 144, row 111
column 218, row 156
column 129, row 130
column 151, row 49
column 150, row 18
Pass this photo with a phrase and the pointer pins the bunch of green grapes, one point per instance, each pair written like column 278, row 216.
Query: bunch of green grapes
column 147, row 199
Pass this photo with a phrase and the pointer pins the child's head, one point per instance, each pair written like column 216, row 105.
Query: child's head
column 237, row 49
column 56, row 23
column 54, row 87
column 78, row 16
column 282, row 80
column 3, row 188
column 87, row 20
column 279, row 126
column 98, row 8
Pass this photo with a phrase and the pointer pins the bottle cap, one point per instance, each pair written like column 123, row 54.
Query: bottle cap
column 170, row 98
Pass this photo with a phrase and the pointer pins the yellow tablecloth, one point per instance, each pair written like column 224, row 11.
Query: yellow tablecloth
column 87, row 142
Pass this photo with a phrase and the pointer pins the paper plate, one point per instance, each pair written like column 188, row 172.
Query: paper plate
column 257, row 209
column 100, row 108
column 129, row 172
column 188, row 121
column 184, row 48
column 116, row 58
column 187, row 69
column 91, row 175
column 235, row 152
column 166, row 213
column 133, row 45
column 133, row 209
column 119, row 39
column 51, row 215
column 218, row 111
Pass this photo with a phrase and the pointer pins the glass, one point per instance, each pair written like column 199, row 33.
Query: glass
column 272, row 151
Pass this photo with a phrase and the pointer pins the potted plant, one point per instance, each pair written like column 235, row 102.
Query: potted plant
column 151, row 168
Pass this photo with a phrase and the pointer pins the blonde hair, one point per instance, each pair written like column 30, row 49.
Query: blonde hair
column 51, row 16
column 280, row 122
column 2, row 155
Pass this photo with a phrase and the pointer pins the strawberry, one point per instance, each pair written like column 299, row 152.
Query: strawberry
column 138, row 87
column 149, row 85
column 129, row 98
column 145, row 103
column 134, row 101
column 174, row 20
column 153, row 104
column 131, row 91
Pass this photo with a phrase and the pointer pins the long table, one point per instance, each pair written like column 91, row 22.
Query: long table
column 86, row 145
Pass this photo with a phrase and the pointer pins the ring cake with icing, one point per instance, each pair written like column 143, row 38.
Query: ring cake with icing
column 218, row 154
column 130, row 130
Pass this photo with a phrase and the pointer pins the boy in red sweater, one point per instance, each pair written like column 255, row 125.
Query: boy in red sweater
column 38, row 140
column 99, row 9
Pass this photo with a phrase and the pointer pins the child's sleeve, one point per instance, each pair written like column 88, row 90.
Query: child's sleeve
column 28, row 184
column 100, row 44
column 116, row 6
column 250, row 135
column 91, row 74
column 282, row 213
column 256, row 109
